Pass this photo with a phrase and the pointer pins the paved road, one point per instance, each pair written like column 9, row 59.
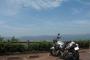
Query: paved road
column 84, row 55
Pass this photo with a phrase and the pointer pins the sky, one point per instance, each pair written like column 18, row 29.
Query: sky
column 44, row 17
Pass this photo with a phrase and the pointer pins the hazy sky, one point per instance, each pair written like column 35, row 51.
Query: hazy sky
column 44, row 17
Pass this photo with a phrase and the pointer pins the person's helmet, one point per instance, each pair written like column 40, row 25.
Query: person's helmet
column 58, row 33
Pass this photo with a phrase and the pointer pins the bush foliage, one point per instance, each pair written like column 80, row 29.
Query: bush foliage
column 14, row 45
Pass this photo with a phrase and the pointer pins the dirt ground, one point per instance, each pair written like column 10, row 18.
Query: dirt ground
column 84, row 55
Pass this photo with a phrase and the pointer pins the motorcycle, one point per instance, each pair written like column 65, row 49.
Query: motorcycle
column 56, row 49
column 71, row 52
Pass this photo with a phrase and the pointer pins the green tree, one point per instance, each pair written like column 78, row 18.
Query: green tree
column 1, row 38
column 14, row 39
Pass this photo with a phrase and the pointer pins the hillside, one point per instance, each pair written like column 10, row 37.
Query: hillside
column 51, row 37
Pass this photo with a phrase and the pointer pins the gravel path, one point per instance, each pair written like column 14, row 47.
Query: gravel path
column 84, row 55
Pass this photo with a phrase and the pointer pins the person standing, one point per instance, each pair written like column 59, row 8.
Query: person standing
column 58, row 37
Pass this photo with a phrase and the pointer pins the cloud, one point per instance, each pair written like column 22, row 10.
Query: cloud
column 12, row 7
column 76, row 11
column 86, row 2
column 42, row 4
column 9, row 30
column 81, row 22
column 2, row 22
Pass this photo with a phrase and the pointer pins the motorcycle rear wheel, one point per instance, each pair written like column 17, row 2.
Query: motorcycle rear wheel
column 71, row 57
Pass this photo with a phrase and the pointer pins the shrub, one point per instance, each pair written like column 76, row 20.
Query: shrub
column 83, row 43
column 14, row 45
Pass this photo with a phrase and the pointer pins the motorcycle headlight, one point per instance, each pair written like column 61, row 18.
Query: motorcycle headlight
column 76, row 48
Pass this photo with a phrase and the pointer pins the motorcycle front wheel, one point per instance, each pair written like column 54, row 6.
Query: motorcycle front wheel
column 54, row 52
column 70, row 56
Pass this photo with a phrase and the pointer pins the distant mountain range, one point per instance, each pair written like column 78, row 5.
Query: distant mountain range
column 51, row 37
